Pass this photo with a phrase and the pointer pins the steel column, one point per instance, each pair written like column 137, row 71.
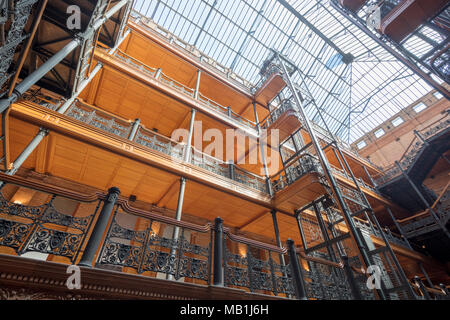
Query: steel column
column 218, row 252
column 28, row 150
column 100, row 227
column 297, row 273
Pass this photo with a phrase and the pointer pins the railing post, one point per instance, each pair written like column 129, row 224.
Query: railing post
column 134, row 129
column 99, row 228
column 422, row 288
column 229, row 111
column 351, row 279
column 158, row 73
column 231, row 169
column 197, row 84
column 218, row 252
column 297, row 273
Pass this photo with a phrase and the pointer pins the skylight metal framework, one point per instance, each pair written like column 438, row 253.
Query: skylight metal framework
column 355, row 97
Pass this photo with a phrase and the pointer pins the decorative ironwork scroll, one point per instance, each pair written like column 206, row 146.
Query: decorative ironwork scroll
column 146, row 250
column 257, row 270
column 42, row 229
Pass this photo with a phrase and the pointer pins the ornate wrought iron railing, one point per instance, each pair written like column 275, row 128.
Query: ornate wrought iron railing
column 188, row 49
column 166, row 80
column 256, row 266
column 306, row 163
column 414, row 148
column 121, row 127
column 327, row 280
column 35, row 217
column 46, row 227
column 152, row 246
column 99, row 119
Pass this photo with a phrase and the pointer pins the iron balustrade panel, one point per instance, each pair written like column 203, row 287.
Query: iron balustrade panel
column 147, row 251
column 257, row 270
column 209, row 163
column 324, row 282
column 135, row 63
column 98, row 119
column 159, row 143
column 304, row 165
column 166, row 80
column 20, row 15
column 250, row 179
column 40, row 99
column 42, row 228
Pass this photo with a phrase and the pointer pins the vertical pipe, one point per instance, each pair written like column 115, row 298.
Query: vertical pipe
column 100, row 227
column 134, row 129
column 187, row 151
column 197, row 84
column 218, row 252
column 158, row 73
column 277, row 234
column 422, row 288
column 176, row 230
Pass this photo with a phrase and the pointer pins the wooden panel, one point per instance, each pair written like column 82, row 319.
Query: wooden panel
column 155, row 56
column 225, row 96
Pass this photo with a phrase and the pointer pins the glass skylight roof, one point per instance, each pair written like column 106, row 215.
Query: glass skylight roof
column 239, row 34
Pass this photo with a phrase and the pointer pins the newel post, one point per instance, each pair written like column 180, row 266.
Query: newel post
column 218, row 252
column 99, row 228
column 297, row 273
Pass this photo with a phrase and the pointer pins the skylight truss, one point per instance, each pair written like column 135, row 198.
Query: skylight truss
column 239, row 34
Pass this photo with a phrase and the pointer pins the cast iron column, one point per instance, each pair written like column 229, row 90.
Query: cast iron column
column 218, row 252
column 297, row 273
column 100, row 227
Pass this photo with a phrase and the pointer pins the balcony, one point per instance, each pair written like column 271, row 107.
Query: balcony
column 120, row 127
column 401, row 18
column 186, row 50
column 210, row 104
column 270, row 84
column 353, row 5
column 55, row 227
